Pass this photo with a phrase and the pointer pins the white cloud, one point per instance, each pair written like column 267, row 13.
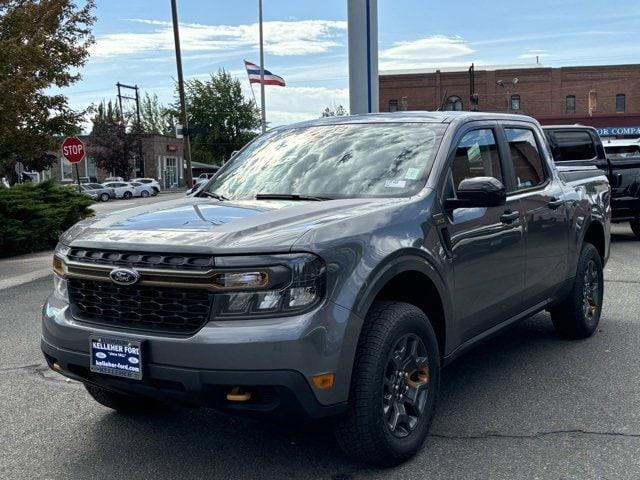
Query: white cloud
column 435, row 50
column 281, row 38
column 534, row 54
column 296, row 104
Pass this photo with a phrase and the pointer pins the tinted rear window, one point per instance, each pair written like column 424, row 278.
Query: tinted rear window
column 574, row 145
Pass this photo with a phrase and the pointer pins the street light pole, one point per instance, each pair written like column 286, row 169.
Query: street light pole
column 183, row 105
column 264, row 112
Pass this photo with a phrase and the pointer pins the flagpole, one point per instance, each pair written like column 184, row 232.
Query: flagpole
column 264, row 112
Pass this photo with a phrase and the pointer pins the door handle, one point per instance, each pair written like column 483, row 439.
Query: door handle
column 509, row 216
column 555, row 203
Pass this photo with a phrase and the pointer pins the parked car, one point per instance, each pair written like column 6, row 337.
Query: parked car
column 98, row 192
column 199, row 183
column 149, row 181
column 142, row 190
column 123, row 189
column 577, row 145
column 331, row 269
column 113, row 179
column 88, row 180
column 206, row 176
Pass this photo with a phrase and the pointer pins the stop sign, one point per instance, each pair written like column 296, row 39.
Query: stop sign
column 73, row 149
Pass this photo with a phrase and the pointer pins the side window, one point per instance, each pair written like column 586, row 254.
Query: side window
column 476, row 156
column 573, row 145
column 527, row 162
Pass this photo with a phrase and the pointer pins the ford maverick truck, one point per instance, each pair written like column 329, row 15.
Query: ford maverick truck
column 331, row 269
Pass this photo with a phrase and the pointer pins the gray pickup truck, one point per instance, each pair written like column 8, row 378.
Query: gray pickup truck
column 332, row 268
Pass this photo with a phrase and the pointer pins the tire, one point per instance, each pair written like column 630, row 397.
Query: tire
column 120, row 402
column 365, row 431
column 578, row 315
column 144, row 194
column 156, row 191
column 127, row 195
column 635, row 227
column 104, row 197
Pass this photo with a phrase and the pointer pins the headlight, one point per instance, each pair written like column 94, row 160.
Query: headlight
column 60, row 288
column 292, row 284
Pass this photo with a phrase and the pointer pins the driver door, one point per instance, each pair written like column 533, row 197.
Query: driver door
column 487, row 243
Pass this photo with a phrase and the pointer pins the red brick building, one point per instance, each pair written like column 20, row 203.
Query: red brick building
column 606, row 97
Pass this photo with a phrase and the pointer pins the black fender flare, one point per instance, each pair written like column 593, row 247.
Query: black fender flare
column 400, row 262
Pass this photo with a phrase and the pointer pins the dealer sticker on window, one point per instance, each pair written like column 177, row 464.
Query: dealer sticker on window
column 116, row 356
column 395, row 184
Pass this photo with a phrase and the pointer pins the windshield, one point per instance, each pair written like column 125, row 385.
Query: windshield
column 333, row 161
column 622, row 152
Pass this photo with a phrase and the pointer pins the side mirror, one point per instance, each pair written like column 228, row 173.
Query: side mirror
column 478, row 192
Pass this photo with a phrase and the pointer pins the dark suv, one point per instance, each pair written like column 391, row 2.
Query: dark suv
column 331, row 268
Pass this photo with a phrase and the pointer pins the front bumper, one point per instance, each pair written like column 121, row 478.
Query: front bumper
column 274, row 358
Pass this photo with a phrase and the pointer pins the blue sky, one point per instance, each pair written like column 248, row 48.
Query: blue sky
column 306, row 42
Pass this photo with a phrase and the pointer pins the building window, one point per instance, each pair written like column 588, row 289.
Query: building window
column 66, row 170
column 393, row 105
column 453, row 104
column 515, row 102
column 621, row 103
column 570, row 104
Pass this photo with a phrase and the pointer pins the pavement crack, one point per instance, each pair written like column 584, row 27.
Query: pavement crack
column 20, row 367
column 622, row 281
column 535, row 435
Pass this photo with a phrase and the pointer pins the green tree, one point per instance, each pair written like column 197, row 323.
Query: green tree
column 221, row 120
column 155, row 118
column 43, row 43
column 114, row 139
column 334, row 111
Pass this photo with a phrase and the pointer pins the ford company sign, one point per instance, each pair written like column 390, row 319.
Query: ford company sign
column 614, row 131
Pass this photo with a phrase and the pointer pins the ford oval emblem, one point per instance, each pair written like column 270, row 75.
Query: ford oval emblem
column 124, row 276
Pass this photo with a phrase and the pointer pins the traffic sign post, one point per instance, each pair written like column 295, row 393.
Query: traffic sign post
column 73, row 151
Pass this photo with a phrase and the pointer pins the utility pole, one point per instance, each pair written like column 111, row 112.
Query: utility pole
column 140, row 166
column 264, row 111
column 183, row 106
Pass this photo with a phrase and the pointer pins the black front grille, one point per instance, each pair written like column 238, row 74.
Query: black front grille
column 142, row 260
column 170, row 310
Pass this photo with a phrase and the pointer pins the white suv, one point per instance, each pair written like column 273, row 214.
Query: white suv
column 152, row 182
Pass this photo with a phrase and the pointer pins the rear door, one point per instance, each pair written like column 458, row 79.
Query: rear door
column 542, row 201
column 487, row 244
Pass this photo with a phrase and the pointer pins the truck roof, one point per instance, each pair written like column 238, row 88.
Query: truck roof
column 410, row 117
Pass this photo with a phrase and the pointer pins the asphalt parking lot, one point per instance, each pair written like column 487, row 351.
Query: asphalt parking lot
column 523, row 405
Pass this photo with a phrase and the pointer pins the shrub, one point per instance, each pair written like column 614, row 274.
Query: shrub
column 32, row 217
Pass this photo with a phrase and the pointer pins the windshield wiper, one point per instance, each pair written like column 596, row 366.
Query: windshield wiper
column 217, row 196
column 289, row 196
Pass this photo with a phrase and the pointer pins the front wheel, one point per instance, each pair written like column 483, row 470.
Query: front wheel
column 127, row 195
column 635, row 227
column 119, row 401
column 394, row 386
column 144, row 194
column 578, row 315
column 104, row 197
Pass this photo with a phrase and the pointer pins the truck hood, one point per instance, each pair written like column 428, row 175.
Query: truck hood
column 209, row 226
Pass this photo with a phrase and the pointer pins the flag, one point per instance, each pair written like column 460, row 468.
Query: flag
column 253, row 71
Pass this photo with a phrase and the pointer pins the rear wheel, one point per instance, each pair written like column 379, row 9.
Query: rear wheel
column 394, row 386
column 127, row 195
column 578, row 315
column 104, row 197
column 120, row 402
column 635, row 227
